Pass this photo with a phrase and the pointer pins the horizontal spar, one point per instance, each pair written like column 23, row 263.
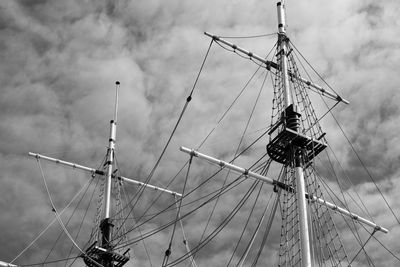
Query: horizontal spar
column 268, row 64
column 128, row 180
column 100, row 172
column 5, row 264
column 283, row 186
column 347, row 213
column 230, row 166
column 66, row 163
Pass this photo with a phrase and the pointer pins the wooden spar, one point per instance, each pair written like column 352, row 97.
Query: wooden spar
column 5, row 264
column 270, row 64
column 101, row 173
column 274, row 182
column 156, row 188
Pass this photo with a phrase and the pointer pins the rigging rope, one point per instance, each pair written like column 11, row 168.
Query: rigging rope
column 183, row 205
column 185, row 240
column 366, row 169
column 48, row 262
column 59, row 218
column 222, row 225
column 228, row 187
column 251, row 36
column 239, row 144
column 69, row 219
column 118, row 204
column 212, row 176
column 324, row 226
column 228, row 109
column 269, row 222
column 355, row 231
column 394, row 255
column 362, row 248
column 315, row 71
column 222, row 117
column 188, row 99
column 250, row 244
column 365, row 210
column 246, row 55
column 129, row 203
column 158, row 196
column 169, row 251
column 320, row 118
column 81, row 224
column 245, row 225
column 348, row 140
column 208, row 135
column 140, row 232
column 289, row 251
column 267, row 228
column 50, row 223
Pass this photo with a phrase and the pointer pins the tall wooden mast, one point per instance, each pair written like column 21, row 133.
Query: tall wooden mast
column 296, row 138
column 106, row 224
column 294, row 153
column 105, row 255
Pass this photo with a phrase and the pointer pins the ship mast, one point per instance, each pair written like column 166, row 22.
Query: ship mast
column 294, row 142
column 294, row 153
column 105, row 254
column 282, row 59
column 289, row 146
column 106, row 224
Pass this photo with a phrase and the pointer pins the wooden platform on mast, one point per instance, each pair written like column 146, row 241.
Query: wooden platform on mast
column 278, row 148
column 95, row 254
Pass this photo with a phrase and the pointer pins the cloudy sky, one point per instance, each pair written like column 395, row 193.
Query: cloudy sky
column 60, row 61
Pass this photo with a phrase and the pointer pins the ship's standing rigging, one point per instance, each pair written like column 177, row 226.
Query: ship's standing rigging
column 309, row 235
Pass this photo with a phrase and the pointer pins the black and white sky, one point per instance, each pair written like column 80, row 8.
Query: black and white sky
column 60, row 60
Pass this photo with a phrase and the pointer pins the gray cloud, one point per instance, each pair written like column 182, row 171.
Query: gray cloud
column 60, row 60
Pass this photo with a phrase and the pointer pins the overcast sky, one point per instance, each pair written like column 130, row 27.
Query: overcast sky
column 60, row 60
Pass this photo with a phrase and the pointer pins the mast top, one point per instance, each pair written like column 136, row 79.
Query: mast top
column 117, row 84
column 281, row 17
